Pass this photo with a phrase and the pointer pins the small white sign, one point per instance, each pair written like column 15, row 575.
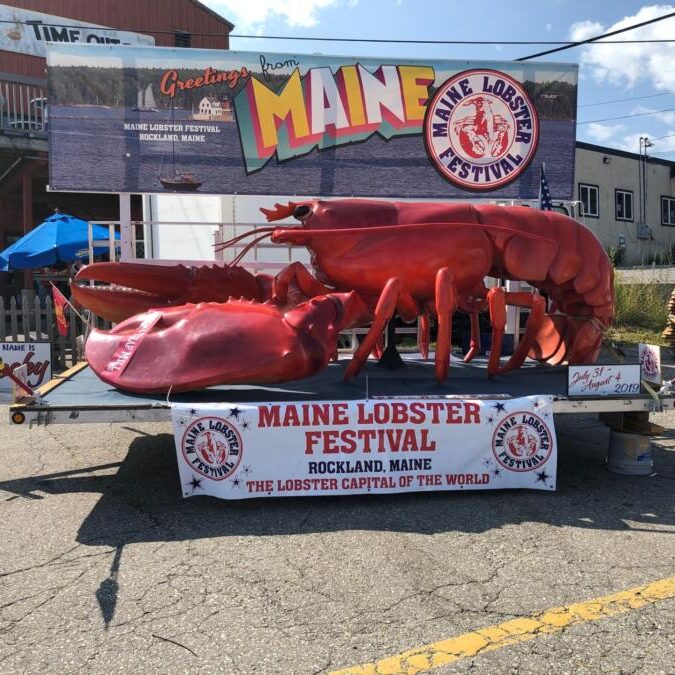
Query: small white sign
column 36, row 356
column 604, row 380
column 650, row 362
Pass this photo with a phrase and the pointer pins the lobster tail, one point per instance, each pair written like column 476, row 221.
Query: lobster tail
column 564, row 338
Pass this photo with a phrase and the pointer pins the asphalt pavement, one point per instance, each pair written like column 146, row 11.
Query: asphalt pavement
column 104, row 567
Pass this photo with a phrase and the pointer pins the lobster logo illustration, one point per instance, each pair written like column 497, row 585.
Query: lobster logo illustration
column 522, row 441
column 212, row 447
column 212, row 451
column 484, row 132
column 650, row 363
column 481, row 130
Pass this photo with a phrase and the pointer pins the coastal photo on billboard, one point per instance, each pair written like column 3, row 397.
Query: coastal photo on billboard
column 152, row 120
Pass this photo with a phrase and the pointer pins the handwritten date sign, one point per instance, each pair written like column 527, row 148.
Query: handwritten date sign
column 605, row 380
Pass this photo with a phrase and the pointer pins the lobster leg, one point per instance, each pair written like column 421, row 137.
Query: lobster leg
column 446, row 303
column 303, row 278
column 386, row 306
column 474, row 344
column 392, row 298
column 497, row 300
column 423, row 331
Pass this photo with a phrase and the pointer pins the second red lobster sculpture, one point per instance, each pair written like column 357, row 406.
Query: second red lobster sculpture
column 372, row 260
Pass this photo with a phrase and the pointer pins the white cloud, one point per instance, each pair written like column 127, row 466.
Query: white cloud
column 628, row 64
column 664, row 143
column 665, row 117
column 602, row 132
column 251, row 15
column 549, row 27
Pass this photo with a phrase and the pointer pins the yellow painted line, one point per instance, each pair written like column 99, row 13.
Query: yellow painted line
column 427, row 657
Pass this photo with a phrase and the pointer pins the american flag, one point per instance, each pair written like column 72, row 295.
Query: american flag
column 545, row 203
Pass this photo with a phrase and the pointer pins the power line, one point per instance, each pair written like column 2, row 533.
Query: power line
column 621, row 100
column 566, row 44
column 624, row 117
column 658, row 138
column 597, row 37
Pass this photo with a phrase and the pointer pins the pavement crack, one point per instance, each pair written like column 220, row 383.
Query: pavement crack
column 175, row 642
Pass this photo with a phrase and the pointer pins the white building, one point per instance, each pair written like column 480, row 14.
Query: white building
column 628, row 202
column 210, row 107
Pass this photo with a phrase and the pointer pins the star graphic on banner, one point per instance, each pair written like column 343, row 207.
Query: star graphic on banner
column 195, row 483
column 497, row 472
column 235, row 482
column 487, row 462
column 540, row 403
column 193, row 412
column 542, row 476
column 235, row 412
column 499, row 407
column 246, row 470
column 490, row 420
column 181, row 422
column 245, row 425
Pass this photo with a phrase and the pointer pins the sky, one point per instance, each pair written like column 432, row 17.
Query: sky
column 625, row 90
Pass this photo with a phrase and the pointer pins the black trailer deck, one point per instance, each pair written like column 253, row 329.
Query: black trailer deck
column 78, row 396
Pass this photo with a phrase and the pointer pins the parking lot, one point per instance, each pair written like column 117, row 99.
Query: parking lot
column 105, row 568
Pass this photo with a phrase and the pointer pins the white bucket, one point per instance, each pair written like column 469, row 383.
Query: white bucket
column 630, row 454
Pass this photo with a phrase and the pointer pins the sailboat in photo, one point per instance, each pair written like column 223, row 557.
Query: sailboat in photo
column 145, row 100
column 178, row 181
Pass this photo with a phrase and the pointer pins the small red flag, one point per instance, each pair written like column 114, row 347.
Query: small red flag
column 60, row 304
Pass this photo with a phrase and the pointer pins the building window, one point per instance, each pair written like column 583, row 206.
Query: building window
column 588, row 196
column 183, row 39
column 668, row 211
column 623, row 204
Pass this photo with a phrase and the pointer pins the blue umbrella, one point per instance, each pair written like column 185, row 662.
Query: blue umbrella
column 60, row 238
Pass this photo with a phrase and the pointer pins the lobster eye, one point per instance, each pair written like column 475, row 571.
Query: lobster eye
column 301, row 212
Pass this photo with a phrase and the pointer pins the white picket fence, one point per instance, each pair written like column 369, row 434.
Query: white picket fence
column 30, row 320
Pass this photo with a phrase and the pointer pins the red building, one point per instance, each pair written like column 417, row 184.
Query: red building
column 24, row 199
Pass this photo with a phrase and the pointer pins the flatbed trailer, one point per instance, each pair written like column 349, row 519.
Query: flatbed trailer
column 77, row 396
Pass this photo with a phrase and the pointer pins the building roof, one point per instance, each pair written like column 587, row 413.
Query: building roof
column 217, row 16
column 623, row 153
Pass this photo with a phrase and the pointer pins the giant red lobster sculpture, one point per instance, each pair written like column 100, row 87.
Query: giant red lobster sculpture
column 372, row 260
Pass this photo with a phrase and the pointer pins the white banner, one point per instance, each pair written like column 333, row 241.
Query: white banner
column 380, row 446
column 28, row 32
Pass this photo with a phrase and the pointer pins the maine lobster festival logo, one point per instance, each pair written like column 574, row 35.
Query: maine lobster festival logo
column 212, row 447
column 481, row 129
column 522, row 442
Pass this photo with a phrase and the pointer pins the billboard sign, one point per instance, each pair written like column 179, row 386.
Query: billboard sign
column 131, row 119
column 28, row 32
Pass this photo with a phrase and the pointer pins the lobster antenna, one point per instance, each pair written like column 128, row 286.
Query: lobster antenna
column 237, row 259
column 226, row 244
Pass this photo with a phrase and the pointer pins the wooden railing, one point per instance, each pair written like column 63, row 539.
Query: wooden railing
column 33, row 321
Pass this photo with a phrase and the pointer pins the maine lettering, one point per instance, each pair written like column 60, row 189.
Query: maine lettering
column 325, row 109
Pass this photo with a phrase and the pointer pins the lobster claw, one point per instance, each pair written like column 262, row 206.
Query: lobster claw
column 239, row 342
column 279, row 212
column 133, row 288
